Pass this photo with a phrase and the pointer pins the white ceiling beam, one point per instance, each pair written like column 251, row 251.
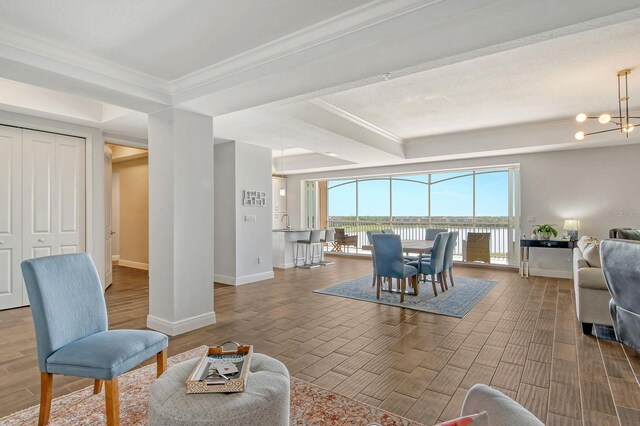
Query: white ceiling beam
column 325, row 116
column 436, row 35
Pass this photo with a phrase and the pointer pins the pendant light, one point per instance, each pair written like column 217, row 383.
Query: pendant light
column 283, row 191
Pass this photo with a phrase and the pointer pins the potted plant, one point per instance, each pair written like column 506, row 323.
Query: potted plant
column 545, row 231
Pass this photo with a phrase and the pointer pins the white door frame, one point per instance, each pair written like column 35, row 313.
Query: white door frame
column 88, row 137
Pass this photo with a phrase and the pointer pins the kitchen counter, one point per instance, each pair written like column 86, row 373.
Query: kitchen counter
column 284, row 246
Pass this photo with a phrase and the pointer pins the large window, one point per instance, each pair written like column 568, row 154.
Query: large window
column 466, row 201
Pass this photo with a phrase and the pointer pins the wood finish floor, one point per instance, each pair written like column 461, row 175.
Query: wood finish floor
column 522, row 338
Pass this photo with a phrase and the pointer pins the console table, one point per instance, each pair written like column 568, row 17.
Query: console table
column 525, row 245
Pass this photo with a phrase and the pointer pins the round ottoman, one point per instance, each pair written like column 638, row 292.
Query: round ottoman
column 265, row 401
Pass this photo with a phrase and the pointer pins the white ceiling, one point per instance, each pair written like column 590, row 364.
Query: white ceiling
column 305, row 75
column 162, row 38
column 549, row 80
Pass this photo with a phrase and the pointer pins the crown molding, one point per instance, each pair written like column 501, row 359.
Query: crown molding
column 338, row 26
column 329, row 107
column 52, row 57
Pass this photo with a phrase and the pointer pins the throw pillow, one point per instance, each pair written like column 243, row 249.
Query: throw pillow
column 590, row 247
column 478, row 419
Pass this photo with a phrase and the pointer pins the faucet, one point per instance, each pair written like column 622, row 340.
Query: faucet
column 288, row 220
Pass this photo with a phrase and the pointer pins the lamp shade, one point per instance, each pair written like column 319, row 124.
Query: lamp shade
column 572, row 225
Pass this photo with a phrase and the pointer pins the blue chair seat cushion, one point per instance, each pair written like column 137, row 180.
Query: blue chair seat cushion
column 107, row 354
column 422, row 267
column 409, row 271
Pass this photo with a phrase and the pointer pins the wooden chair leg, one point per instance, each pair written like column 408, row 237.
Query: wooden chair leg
column 378, row 286
column 441, row 282
column 403, row 288
column 433, row 283
column 451, row 276
column 415, row 284
column 97, row 386
column 113, row 404
column 46, row 387
column 161, row 361
column 444, row 280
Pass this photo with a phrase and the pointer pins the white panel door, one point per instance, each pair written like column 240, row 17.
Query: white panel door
column 53, row 215
column 11, row 288
column 108, row 216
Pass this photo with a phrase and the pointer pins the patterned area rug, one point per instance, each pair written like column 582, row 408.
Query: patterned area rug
column 310, row 405
column 455, row 302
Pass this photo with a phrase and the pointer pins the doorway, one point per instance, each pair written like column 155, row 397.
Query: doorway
column 126, row 208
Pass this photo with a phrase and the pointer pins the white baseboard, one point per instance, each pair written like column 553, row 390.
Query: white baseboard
column 247, row 279
column 182, row 326
column 551, row 273
column 132, row 264
column 284, row 265
column 115, row 258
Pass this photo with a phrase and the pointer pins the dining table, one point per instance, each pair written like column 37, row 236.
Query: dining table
column 410, row 246
column 420, row 247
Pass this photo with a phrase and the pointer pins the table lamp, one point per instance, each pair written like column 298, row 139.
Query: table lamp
column 572, row 226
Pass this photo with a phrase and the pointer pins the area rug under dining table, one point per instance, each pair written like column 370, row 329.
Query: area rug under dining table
column 310, row 404
column 454, row 302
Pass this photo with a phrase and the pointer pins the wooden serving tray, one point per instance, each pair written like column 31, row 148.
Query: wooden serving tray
column 237, row 384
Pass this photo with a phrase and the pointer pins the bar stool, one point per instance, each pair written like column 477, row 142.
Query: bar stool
column 329, row 238
column 311, row 244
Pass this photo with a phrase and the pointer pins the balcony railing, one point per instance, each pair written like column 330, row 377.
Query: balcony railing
column 500, row 242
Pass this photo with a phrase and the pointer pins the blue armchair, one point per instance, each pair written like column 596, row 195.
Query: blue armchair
column 70, row 319
column 619, row 260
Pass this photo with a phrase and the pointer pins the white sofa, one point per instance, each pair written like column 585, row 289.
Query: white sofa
column 591, row 292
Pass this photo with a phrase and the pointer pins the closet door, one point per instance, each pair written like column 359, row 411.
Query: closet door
column 11, row 288
column 53, row 195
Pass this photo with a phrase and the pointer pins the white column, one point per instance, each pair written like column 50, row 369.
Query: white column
column 180, row 221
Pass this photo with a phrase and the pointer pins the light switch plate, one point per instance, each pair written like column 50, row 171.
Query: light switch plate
column 531, row 219
column 250, row 218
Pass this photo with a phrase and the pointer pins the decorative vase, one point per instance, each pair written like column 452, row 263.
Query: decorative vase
column 544, row 235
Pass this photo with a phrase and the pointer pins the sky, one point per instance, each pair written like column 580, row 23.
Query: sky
column 448, row 198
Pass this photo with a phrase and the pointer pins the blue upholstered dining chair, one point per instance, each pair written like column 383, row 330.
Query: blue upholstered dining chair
column 430, row 234
column 620, row 265
column 447, row 272
column 70, row 319
column 434, row 264
column 373, row 255
column 389, row 263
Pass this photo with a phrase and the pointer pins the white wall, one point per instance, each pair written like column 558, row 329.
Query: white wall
column 253, row 239
column 596, row 186
column 240, row 243
column 95, row 238
column 225, row 216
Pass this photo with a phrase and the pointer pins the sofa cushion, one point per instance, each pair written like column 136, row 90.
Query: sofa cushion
column 629, row 234
column 590, row 248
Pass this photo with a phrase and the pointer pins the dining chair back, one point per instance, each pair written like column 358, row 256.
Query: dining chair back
column 452, row 241
column 389, row 263
column 434, row 264
column 369, row 234
column 430, row 234
column 388, row 231
column 387, row 251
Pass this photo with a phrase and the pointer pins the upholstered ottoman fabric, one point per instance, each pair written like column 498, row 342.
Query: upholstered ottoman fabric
column 265, row 402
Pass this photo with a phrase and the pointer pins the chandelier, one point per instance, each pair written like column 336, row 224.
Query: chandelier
column 622, row 121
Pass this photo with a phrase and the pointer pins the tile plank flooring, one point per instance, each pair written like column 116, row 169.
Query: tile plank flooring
column 522, row 338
